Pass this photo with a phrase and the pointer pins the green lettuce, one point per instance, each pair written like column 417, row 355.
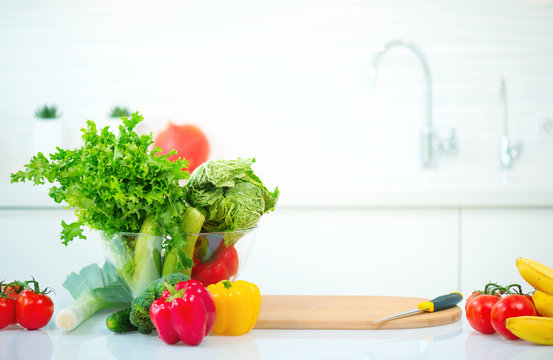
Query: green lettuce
column 113, row 182
column 230, row 195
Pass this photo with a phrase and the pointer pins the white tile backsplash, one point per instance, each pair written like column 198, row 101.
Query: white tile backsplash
column 285, row 81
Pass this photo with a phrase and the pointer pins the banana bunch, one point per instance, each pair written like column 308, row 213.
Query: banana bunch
column 537, row 329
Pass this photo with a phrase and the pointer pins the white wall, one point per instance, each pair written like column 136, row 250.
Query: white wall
column 285, row 81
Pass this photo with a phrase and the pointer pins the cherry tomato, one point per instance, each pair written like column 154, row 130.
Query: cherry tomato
column 11, row 290
column 479, row 311
column 7, row 305
column 511, row 306
column 33, row 310
column 7, row 312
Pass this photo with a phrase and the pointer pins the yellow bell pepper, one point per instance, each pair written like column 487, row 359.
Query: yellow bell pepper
column 236, row 306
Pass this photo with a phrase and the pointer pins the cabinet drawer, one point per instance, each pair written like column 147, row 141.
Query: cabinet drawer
column 357, row 252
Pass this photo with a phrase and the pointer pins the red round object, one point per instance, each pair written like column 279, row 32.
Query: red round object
column 33, row 310
column 189, row 142
column 479, row 311
column 222, row 265
column 7, row 312
column 511, row 306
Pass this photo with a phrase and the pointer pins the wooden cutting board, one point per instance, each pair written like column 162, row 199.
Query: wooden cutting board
column 346, row 312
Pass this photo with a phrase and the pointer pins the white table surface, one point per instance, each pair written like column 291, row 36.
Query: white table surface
column 92, row 340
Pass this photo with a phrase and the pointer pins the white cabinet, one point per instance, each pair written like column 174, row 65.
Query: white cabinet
column 356, row 251
column 31, row 246
column 492, row 240
column 302, row 251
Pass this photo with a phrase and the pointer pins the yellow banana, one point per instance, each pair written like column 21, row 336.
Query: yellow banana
column 543, row 303
column 536, row 274
column 532, row 328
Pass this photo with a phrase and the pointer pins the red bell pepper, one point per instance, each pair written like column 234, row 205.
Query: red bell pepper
column 185, row 312
column 222, row 265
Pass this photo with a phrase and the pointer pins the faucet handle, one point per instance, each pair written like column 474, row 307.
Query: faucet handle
column 516, row 149
column 450, row 144
column 509, row 153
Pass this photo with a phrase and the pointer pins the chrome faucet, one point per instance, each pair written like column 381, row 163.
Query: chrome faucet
column 430, row 142
column 508, row 153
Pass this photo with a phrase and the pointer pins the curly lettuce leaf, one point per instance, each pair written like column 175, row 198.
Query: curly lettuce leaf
column 113, row 183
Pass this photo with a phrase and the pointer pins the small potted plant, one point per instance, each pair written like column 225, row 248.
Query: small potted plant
column 113, row 119
column 118, row 112
column 47, row 129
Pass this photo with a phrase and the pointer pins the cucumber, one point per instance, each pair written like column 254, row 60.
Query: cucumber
column 119, row 321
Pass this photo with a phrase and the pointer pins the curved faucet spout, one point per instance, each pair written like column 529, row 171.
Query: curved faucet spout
column 430, row 142
column 427, row 136
column 508, row 153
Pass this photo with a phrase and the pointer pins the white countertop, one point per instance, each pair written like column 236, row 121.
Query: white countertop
column 92, row 340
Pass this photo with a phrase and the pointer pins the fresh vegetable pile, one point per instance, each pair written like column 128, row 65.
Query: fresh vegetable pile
column 27, row 306
column 152, row 216
column 512, row 314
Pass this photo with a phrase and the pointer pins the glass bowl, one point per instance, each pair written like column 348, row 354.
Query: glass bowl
column 136, row 269
column 221, row 255
column 138, row 257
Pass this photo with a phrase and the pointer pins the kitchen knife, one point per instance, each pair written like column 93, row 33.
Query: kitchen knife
column 440, row 303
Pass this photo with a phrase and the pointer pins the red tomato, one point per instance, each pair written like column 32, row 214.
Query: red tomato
column 33, row 310
column 472, row 296
column 7, row 312
column 11, row 291
column 511, row 306
column 7, row 305
column 189, row 142
column 479, row 311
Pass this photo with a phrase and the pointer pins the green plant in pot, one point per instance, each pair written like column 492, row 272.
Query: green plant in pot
column 118, row 112
column 47, row 129
column 47, row 112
